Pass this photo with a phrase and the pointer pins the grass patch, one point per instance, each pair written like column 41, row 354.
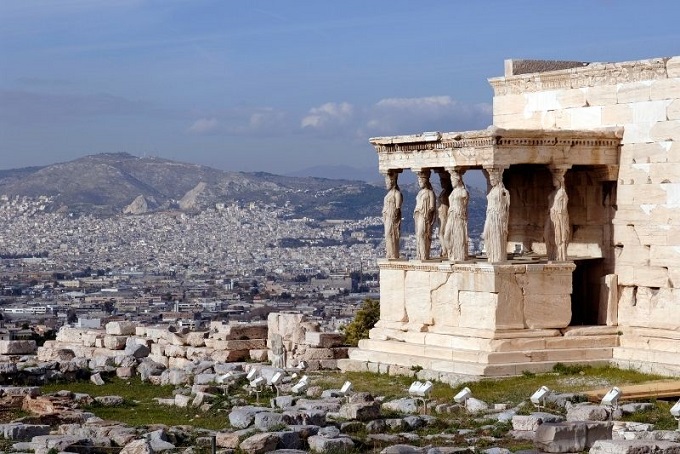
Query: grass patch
column 140, row 407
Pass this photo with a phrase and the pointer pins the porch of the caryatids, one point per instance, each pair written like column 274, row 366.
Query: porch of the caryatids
column 391, row 214
column 557, row 230
column 495, row 233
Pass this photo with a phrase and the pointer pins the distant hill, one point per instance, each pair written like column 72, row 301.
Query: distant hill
column 117, row 183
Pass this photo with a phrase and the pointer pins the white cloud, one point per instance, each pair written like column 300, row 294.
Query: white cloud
column 393, row 116
column 328, row 115
column 204, row 125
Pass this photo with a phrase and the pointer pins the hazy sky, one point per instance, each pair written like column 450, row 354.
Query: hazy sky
column 282, row 85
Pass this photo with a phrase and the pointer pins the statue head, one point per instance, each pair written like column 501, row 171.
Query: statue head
column 455, row 178
column 391, row 179
column 424, row 179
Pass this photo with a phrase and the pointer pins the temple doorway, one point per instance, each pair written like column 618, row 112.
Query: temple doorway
column 585, row 297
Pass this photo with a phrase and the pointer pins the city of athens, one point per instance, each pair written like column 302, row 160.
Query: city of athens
column 363, row 227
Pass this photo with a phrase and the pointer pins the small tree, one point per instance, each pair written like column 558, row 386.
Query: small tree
column 365, row 319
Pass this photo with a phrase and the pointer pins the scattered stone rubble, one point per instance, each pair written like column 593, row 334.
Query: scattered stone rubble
column 204, row 365
column 323, row 422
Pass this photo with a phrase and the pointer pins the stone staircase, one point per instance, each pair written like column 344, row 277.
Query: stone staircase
column 506, row 354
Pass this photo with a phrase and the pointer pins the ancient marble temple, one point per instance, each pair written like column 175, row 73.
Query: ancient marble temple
column 581, row 237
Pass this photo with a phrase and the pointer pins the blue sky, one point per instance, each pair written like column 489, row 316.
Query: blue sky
column 280, row 85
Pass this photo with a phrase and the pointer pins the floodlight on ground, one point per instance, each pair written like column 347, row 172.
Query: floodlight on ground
column 611, row 399
column 301, row 386
column 346, row 388
column 222, row 379
column 421, row 391
column 675, row 412
column 463, row 396
column 538, row 398
column 302, row 365
column 277, row 378
column 253, row 374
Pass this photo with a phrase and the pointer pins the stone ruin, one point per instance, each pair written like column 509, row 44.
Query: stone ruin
column 581, row 235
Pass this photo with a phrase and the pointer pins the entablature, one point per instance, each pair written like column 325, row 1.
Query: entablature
column 494, row 146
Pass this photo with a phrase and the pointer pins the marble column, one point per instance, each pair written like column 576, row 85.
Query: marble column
column 557, row 231
column 497, row 213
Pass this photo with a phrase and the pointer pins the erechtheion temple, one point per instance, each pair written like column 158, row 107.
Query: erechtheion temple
column 582, row 231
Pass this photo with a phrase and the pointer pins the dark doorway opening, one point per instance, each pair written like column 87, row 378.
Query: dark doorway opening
column 585, row 296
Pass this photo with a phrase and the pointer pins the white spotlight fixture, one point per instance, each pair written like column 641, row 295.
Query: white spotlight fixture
column 538, row 398
column 301, row 386
column 276, row 380
column 421, row 391
column 611, row 399
column 675, row 412
column 463, row 396
column 253, row 374
column 302, row 365
column 346, row 388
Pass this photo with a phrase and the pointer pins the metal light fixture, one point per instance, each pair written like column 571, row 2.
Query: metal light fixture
column 538, row 398
column 611, row 399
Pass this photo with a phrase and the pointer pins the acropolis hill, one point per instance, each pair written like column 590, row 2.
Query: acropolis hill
column 582, row 234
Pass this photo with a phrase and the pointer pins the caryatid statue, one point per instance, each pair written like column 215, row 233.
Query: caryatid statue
column 424, row 215
column 456, row 224
column 557, row 230
column 497, row 212
column 392, row 215
column 443, row 210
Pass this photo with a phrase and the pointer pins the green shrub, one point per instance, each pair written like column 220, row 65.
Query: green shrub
column 365, row 319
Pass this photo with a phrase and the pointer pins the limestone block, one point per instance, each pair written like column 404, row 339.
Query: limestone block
column 673, row 110
column 156, row 332
column 665, row 89
column 178, row 363
column 114, row 342
column 260, row 355
column 541, row 101
column 634, row 447
column 70, row 335
column 585, row 117
column 140, row 331
column 175, row 351
column 392, row 306
column 288, row 326
column 637, row 133
column 121, row 328
column 561, row 437
column 607, row 313
column 445, row 304
column 509, row 104
column 617, row 115
column 234, row 331
column 633, row 92
column 90, row 339
column 199, row 353
column 510, row 310
column 246, row 344
column 478, row 309
column 650, row 111
column 323, row 340
column 576, row 97
column 649, row 276
column 547, row 311
column 197, row 338
column 160, row 359
column 227, row 356
column 665, row 130
column 664, row 256
column 157, row 349
column 601, row 95
column 632, row 254
column 175, row 339
column 649, row 307
column 417, row 295
column 17, row 347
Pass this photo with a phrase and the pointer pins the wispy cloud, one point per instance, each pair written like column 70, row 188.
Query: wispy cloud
column 242, row 121
column 395, row 116
column 204, row 126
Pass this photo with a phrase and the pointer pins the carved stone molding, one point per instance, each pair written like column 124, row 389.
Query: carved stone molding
column 595, row 74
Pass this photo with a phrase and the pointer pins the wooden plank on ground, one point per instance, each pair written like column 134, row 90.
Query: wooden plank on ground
column 657, row 389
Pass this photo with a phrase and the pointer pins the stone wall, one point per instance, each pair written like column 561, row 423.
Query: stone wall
column 644, row 248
